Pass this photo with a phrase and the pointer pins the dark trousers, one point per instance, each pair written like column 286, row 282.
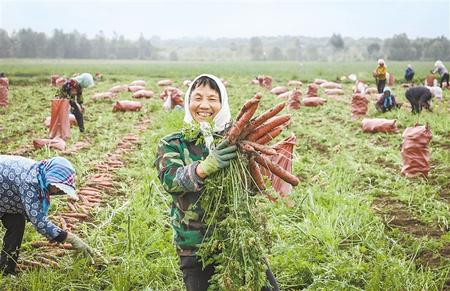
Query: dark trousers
column 418, row 102
column 78, row 115
column 15, row 226
column 196, row 279
column 444, row 79
column 380, row 85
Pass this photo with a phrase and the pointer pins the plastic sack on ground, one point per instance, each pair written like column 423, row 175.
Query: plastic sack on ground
column 285, row 95
column 359, row 105
column 334, row 92
column 55, row 143
column 415, row 151
column 319, row 81
column 119, row 89
column 175, row 95
column 295, row 83
column 285, row 149
column 72, row 120
column 163, row 83
column 143, row 94
column 104, row 95
column 379, row 125
column 279, row 90
column 135, row 88
column 312, row 90
column 331, row 85
column 430, row 81
column 53, row 79
column 138, row 83
column 126, row 105
column 314, row 101
column 4, row 89
column 60, row 122
column 391, row 80
column 265, row 81
column 60, row 81
column 294, row 101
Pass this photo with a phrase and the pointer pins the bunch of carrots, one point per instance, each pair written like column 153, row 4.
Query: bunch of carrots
column 252, row 135
column 237, row 239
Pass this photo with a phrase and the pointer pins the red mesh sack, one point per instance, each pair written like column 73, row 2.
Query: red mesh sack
column 415, row 151
column 285, row 149
column 104, row 95
column 53, row 79
column 265, row 81
column 72, row 120
column 135, row 88
column 295, row 83
column 143, row 94
column 60, row 122
column 60, row 81
column 313, row 101
column 359, row 105
column 331, row 85
column 319, row 81
column 312, row 90
column 138, row 83
column 119, row 89
column 294, row 101
column 429, row 81
column 379, row 125
column 279, row 90
column 55, row 143
column 334, row 92
column 175, row 95
column 126, row 105
column 163, row 83
column 4, row 89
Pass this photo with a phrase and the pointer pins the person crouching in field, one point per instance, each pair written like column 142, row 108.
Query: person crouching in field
column 420, row 97
column 443, row 72
column 26, row 187
column 4, row 88
column 380, row 75
column 73, row 90
column 409, row 73
column 184, row 161
column 386, row 102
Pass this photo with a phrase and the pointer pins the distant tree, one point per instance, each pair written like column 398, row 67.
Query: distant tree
column 373, row 50
column 173, row 56
column 399, row 48
column 336, row 41
column 256, row 48
column 276, row 54
column 438, row 49
column 294, row 53
column 6, row 45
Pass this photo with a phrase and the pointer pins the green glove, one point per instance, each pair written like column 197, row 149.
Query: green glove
column 79, row 244
column 219, row 158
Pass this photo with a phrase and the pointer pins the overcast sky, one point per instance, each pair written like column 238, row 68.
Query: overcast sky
column 218, row 18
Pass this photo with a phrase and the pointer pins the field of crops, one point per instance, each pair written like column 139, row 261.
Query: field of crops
column 356, row 223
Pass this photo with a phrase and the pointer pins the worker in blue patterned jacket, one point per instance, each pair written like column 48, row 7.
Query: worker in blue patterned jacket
column 25, row 190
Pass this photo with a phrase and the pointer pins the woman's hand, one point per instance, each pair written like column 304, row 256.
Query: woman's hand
column 79, row 244
column 218, row 159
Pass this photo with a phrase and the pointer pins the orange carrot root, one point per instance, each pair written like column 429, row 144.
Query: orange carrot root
column 277, row 170
column 268, row 126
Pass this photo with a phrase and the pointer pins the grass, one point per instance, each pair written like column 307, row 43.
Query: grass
column 332, row 239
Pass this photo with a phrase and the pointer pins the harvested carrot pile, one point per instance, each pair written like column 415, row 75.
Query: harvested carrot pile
column 236, row 240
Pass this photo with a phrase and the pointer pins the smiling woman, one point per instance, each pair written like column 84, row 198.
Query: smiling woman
column 205, row 99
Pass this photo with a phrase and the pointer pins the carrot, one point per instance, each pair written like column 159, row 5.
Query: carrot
column 72, row 207
column 83, row 198
column 277, row 170
column 48, row 262
column 75, row 215
column 243, row 118
column 32, row 264
column 268, row 126
column 86, row 192
column 260, row 148
column 246, row 148
column 91, row 199
column 264, row 117
column 255, row 172
column 41, row 244
column 270, row 136
column 251, row 102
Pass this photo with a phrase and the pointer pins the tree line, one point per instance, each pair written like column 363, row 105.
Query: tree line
column 26, row 43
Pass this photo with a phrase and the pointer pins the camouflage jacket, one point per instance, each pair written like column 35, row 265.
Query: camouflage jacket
column 65, row 91
column 176, row 161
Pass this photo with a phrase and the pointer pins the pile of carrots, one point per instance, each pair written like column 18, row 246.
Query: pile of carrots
column 252, row 134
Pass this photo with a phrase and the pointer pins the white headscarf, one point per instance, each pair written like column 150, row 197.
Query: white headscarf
column 222, row 118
